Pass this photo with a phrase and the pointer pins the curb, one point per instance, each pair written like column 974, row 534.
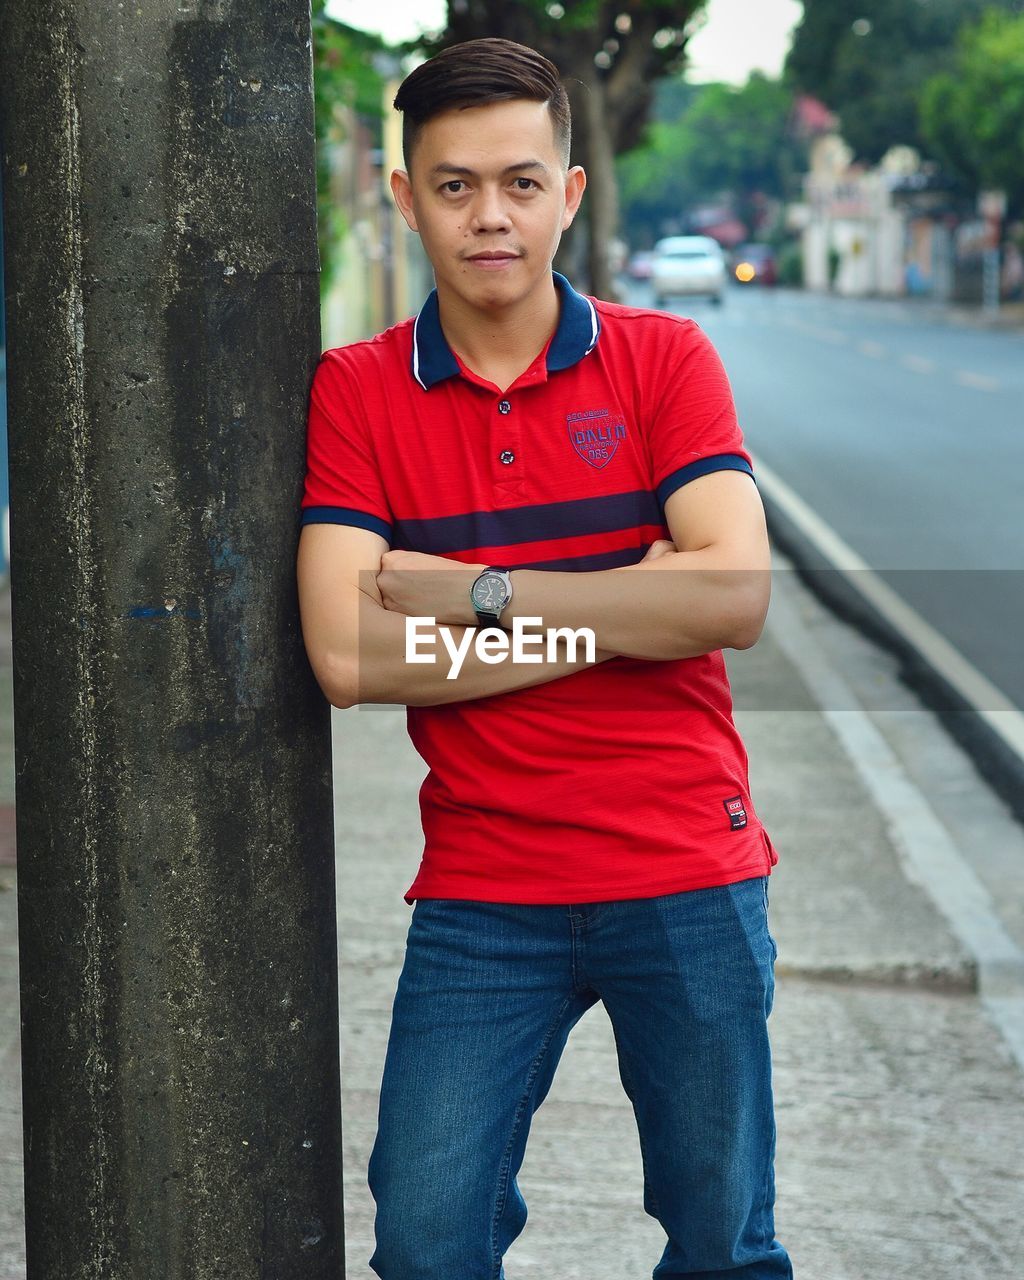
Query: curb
column 1008, row 319
column 963, row 979
column 978, row 715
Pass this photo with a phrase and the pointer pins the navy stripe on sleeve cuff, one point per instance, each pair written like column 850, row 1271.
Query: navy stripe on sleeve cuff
column 346, row 515
column 702, row 467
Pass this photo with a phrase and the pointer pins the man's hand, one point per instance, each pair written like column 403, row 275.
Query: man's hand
column 422, row 586
column 660, row 547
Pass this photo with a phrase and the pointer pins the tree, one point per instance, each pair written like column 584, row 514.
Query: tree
column 611, row 53
column 343, row 72
column 870, row 60
column 724, row 140
column 973, row 115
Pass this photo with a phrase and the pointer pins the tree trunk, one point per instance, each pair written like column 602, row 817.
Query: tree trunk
column 597, row 156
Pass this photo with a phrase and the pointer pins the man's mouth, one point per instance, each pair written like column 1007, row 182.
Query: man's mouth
column 493, row 255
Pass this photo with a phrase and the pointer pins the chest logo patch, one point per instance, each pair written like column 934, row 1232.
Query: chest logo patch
column 595, row 434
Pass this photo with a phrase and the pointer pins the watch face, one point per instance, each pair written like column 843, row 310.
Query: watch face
column 489, row 593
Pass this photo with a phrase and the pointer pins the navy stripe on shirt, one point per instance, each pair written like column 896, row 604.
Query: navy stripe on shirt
column 591, row 563
column 702, row 467
column 539, row 522
column 346, row 515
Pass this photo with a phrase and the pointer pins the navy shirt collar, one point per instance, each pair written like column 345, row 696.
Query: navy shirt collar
column 576, row 335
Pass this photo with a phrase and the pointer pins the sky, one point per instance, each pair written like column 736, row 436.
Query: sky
column 739, row 36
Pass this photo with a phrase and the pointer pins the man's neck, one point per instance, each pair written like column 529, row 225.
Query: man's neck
column 500, row 344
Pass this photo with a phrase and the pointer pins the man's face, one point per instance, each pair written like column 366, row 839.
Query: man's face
column 489, row 198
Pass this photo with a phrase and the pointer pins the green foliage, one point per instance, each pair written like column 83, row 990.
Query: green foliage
column 868, row 62
column 673, row 98
column 726, row 140
column 973, row 115
column 344, row 74
column 791, row 265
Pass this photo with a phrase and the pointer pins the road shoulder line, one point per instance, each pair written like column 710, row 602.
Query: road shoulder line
column 929, row 856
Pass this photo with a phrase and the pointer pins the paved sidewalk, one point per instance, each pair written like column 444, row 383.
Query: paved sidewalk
column 899, row 1099
column 1010, row 315
column 1008, row 318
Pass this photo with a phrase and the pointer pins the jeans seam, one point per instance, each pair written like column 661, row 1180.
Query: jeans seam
column 506, row 1160
column 766, row 1218
column 767, row 1229
column 768, row 1226
column 631, row 1092
column 767, row 926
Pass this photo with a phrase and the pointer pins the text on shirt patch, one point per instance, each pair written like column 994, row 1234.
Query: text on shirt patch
column 595, row 435
column 737, row 812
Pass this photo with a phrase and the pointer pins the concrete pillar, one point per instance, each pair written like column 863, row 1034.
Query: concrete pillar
column 174, row 823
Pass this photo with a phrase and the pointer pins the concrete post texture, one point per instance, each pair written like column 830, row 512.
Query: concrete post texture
column 173, row 776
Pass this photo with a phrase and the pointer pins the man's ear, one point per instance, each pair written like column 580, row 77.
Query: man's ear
column 401, row 189
column 575, row 185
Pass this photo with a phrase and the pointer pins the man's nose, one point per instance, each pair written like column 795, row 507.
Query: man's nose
column 490, row 209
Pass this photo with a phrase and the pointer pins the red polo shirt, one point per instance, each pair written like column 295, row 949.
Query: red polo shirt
column 624, row 780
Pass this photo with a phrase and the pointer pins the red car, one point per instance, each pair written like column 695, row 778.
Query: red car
column 754, row 264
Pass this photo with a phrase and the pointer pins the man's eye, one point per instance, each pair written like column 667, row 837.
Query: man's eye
column 529, row 183
column 453, row 186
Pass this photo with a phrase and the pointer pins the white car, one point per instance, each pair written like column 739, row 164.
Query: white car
column 688, row 266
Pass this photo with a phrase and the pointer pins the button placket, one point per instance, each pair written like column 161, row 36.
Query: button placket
column 507, row 471
column 506, row 455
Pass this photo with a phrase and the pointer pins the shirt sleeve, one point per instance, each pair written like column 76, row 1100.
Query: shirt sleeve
column 693, row 428
column 343, row 483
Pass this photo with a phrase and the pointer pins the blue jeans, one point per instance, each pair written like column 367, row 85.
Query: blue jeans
column 487, row 997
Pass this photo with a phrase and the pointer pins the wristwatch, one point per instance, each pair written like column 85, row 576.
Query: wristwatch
column 490, row 593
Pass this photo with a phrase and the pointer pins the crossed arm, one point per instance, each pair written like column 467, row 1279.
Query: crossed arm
column 708, row 589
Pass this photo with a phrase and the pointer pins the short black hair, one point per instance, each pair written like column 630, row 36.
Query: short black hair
column 474, row 73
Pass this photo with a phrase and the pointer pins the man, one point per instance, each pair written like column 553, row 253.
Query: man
column 516, row 452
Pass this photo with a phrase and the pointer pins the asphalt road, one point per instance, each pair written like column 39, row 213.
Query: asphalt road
column 905, row 434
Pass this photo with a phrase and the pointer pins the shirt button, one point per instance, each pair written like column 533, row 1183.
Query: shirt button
column 507, row 456
column 504, row 406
